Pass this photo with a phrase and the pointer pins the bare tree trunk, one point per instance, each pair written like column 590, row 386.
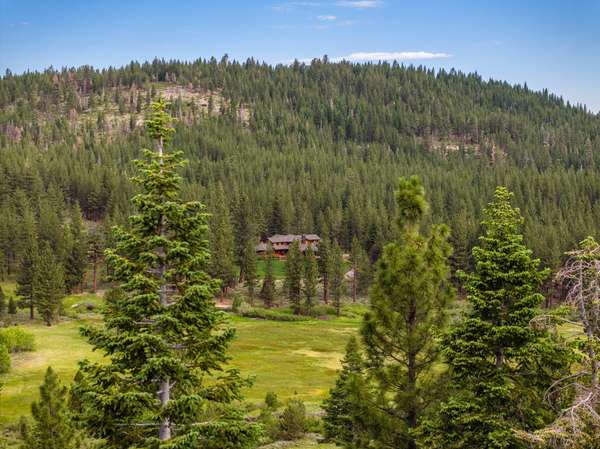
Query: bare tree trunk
column 354, row 283
column 165, row 396
column 165, row 386
column 589, row 332
column 411, row 414
column 94, row 276
column 499, row 358
column 325, row 290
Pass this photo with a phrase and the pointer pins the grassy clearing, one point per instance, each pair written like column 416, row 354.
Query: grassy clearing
column 305, row 443
column 59, row 346
column 278, row 268
column 292, row 359
column 8, row 287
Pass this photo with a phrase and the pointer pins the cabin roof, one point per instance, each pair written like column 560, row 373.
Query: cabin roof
column 289, row 238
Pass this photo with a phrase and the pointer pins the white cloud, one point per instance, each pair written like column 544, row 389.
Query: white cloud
column 359, row 4
column 377, row 56
column 291, row 5
column 326, row 18
column 389, row 56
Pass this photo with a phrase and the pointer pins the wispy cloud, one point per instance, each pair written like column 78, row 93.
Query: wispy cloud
column 291, row 5
column 20, row 24
column 359, row 4
column 390, row 56
column 377, row 56
column 326, row 18
column 354, row 4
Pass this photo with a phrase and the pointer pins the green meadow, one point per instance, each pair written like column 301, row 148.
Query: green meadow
column 292, row 359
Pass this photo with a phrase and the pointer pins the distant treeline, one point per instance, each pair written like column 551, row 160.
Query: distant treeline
column 311, row 148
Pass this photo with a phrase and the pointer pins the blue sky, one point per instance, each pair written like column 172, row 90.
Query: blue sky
column 548, row 44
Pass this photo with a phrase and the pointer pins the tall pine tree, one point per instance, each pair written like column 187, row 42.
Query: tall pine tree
column 163, row 337
column 294, row 269
column 76, row 262
column 222, row 262
column 311, row 280
column 409, row 297
column 335, row 277
column 250, row 268
column 49, row 284
column 267, row 292
column 28, row 260
column 324, row 264
column 95, row 253
column 500, row 364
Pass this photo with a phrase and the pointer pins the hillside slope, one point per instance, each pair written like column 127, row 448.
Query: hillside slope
column 321, row 146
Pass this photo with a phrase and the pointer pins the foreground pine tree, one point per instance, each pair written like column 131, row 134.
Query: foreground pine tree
column 51, row 428
column 500, row 364
column 343, row 422
column 164, row 383
column 409, row 298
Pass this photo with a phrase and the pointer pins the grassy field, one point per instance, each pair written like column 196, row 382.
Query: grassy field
column 293, row 359
column 278, row 268
column 59, row 346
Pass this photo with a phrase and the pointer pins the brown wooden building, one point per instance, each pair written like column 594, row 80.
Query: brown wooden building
column 281, row 243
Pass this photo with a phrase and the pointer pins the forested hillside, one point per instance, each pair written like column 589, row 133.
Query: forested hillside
column 303, row 148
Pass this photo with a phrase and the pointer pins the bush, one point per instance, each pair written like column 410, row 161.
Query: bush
column 16, row 339
column 271, row 401
column 2, row 303
column 4, row 359
column 322, row 310
column 270, row 314
column 12, row 306
column 236, row 304
column 269, row 423
column 292, row 423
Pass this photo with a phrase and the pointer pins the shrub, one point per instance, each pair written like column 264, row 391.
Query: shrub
column 16, row 339
column 269, row 423
column 2, row 302
column 270, row 314
column 12, row 306
column 322, row 310
column 4, row 359
column 292, row 423
column 236, row 304
column 271, row 400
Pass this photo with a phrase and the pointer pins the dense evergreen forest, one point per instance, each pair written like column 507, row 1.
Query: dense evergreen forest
column 301, row 148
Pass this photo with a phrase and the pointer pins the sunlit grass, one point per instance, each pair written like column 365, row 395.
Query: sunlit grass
column 292, row 359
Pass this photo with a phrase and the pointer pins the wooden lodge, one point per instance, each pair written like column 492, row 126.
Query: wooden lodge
column 281, row 244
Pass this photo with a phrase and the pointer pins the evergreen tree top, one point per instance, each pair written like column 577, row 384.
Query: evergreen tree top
column 410, row 199
column 501, row 218
column 159, row 122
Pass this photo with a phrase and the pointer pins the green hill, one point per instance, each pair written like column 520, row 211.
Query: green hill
column 325, row 142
